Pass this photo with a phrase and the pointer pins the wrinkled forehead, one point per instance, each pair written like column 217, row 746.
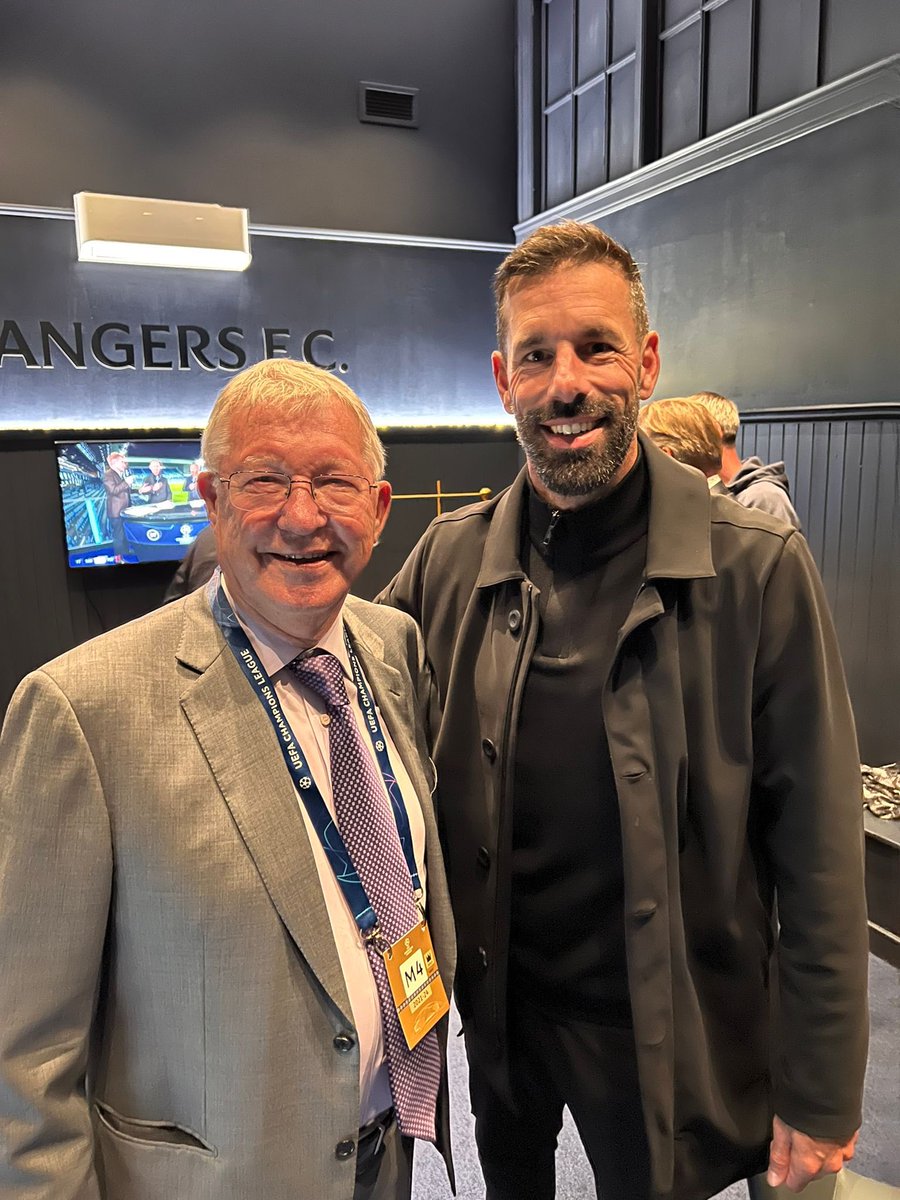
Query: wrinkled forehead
column 596, row 296
column 601, row 278
column 297, row 434
column 282, row 421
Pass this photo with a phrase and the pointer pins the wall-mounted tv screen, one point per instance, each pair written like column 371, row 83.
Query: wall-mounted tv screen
column 129, row 501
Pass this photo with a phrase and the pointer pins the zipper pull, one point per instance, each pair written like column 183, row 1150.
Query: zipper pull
column 554, row 519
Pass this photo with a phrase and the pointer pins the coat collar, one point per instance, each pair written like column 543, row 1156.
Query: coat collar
column 678, row 536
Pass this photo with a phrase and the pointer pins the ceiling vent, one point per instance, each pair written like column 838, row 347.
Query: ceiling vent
column 385, row 104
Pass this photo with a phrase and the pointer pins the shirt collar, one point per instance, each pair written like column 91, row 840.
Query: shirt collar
column 275, row 652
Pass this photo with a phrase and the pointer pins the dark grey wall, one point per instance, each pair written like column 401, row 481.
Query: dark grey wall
column 255, row 105
column 773, row 281
column 413, row 325
column 857, row 32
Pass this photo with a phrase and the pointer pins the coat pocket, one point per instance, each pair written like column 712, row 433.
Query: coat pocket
column 150, row 1133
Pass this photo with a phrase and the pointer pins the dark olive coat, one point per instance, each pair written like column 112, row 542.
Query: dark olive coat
column 734, row 753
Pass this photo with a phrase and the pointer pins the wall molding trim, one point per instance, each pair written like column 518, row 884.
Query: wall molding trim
column 162, row 428
column 889, row 410
column 872, row 87
column 299, row 231
column 379, row 239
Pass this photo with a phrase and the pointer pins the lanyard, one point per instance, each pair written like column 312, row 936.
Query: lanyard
column 295, row 760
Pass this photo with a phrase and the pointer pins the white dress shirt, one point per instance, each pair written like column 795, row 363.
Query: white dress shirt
column 303, row 710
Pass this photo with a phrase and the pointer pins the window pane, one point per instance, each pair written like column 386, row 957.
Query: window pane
column 621, row 122
column 592, row 39
column 560, row 48
column 681, row 89
column 559, row 155
column 728, row 65
column 590, row 147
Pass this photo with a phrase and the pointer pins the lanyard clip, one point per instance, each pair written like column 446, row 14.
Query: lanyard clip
column 376, row 938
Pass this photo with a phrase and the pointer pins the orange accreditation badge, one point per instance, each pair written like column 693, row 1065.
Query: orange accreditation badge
column 416, row 985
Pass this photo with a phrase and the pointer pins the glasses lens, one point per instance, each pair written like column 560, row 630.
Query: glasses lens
column 270, row 489
column 338, row 493
column 259, row 489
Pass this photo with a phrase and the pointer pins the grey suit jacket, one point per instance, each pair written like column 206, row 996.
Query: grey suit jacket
column 170, row 991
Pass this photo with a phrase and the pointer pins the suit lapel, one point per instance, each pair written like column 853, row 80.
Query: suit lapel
column 243, row 755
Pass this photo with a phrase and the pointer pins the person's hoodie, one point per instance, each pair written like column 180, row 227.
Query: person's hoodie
column 757, row 485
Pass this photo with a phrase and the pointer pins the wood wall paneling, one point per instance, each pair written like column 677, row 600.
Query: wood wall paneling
column 674, row 11
column 743, row 58
column 559, row 152
column 621, row 121
column 590, row 160
column 593, row 39
column 728, row 65
column 626, row 18
column 845, row 484
column 560, row 49
column 788, row 52
column 681, row 84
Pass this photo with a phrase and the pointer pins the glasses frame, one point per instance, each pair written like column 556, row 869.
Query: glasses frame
column 292, row 480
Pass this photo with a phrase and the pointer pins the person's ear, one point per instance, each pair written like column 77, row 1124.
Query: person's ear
column 501, row 380
column 207, row 486
column 382, row 506
column 649, row 365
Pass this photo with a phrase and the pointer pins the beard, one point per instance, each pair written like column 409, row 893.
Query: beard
column 579, row 472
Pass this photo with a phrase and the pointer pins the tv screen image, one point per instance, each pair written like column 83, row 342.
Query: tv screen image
column 128, row 502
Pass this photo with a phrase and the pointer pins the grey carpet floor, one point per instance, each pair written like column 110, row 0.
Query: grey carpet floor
column 877, row 1156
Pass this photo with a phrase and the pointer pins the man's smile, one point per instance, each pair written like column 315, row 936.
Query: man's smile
column 572, row 434
column 305, row 559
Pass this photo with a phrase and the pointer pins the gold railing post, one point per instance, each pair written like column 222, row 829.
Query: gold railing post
column 439, row 495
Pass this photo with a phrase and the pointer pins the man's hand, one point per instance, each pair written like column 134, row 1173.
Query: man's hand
column 795, row 1158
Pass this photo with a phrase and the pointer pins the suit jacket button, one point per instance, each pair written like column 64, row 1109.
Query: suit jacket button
column 490, row 749
column 483, row 957
column 345, row 1149
column 644, row 910
column 484, row 857
column 344, row 1043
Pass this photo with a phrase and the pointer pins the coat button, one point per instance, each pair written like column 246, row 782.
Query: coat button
column 514, row 620
column 344, row 1043
column 644, row 910
column 345, row 1149
column 489, row 748
column 484, row 857
column 483, row 958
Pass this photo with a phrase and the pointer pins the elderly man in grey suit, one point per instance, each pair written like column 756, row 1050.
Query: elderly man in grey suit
column 218, row 979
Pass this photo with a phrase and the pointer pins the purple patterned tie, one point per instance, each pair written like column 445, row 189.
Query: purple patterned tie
column 369, row 831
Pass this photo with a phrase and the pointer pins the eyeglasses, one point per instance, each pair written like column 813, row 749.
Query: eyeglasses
column 333, row 494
